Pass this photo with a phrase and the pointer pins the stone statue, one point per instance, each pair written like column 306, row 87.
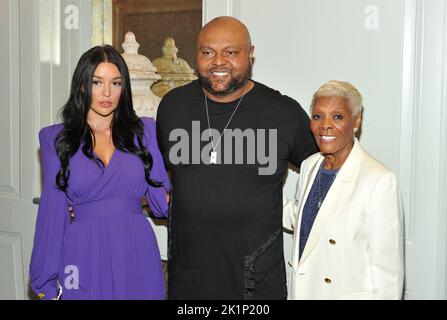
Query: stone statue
column 142, row 76
column 174, row 71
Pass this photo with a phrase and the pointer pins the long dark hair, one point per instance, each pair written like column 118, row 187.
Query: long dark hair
column 126, row 125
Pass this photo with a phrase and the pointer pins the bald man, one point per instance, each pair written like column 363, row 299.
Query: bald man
column 227, row 141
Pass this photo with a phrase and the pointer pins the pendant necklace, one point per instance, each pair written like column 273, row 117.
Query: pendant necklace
column 213, row 155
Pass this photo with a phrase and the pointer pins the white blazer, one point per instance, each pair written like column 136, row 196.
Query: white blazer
column 355, row 247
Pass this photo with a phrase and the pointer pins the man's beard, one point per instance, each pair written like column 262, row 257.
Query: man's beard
column 233, row 85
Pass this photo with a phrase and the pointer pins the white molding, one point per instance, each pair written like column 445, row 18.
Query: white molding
column 204, row 12
column 441, row 270
column 213, row 8
column 413, row 21
column 51, row 73
column 67, row 38
column 8, row 192
column 232, row 8
column 15, row 241
column 85, row 36
column 229, row 7
column 37, row 94
column 429, row 257
column 12, row 191
column 101, row 14
column 15, row 102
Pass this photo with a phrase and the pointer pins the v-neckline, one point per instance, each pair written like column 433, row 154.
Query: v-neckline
column 110, row 161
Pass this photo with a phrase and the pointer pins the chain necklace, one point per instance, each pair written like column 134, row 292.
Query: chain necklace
column 213, row 155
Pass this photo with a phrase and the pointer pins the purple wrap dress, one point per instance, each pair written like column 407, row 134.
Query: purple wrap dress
column 109, row 250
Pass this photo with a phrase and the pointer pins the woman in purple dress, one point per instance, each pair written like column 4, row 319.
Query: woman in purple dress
column 100, row 161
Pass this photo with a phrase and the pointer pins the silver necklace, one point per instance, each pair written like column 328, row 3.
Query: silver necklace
column 213, row 155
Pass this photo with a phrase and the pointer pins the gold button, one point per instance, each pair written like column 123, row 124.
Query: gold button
column 327, row 280
column 332, row 241
column 41, row 295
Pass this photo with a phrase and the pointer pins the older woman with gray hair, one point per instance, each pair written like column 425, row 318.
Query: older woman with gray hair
column 346, row 215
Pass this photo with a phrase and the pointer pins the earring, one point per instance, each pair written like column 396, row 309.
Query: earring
column 356, row 129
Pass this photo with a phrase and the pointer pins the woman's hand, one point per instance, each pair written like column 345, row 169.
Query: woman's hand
column 167, row 197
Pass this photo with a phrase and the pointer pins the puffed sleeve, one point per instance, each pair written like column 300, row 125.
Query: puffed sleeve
column 386, row 238
column 156, row 197
column 52, row 219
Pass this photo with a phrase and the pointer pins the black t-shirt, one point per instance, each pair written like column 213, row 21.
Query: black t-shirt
column 225, row 228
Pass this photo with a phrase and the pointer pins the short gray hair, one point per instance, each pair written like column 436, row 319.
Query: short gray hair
column 335, row 88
